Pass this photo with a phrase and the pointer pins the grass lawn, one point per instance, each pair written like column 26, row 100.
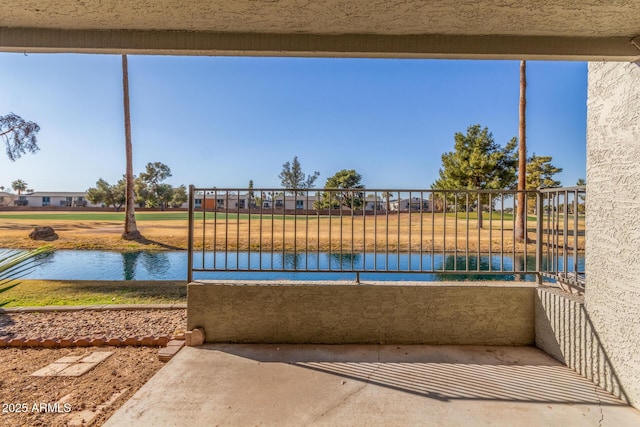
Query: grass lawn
column 37, row 293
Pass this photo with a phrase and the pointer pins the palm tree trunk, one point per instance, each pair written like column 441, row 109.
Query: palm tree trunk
column 521, row 211
column 130, row 228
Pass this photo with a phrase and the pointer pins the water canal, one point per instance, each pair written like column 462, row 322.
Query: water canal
column 106, row 265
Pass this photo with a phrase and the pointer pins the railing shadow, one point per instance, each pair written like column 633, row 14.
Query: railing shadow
column 568, row 334
column 608, row 378
column 443, row 373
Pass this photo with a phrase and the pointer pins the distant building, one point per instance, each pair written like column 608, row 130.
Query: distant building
column 292, row 201
column 58, row 199
column 6, row 199
column 373, row 203
column 414, row 204
column 222, row 200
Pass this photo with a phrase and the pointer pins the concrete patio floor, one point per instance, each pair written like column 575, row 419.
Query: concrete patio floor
column 369, row 385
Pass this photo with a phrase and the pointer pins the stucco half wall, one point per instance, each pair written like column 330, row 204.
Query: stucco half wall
column 473, row 313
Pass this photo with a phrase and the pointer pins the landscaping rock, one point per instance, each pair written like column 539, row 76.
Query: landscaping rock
column 43, row 233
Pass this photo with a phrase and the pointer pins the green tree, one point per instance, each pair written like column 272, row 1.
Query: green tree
column 477, row 162
column 155, row 173
column 348, row 180
column 581, row 182
column 110, row 195
column 179, row 196
column 142, row 193
column 164, row 195
column 19, row 186
column 130, row 227
column 149, row 186
column 18, row 135
column 540, row 173
column 293, row 178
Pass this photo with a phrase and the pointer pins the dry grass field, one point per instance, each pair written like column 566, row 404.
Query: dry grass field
column 99, row 231
column 169, row 231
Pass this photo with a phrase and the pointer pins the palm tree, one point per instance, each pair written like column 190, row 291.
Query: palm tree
column 520, row 231
column 17, row 264
column 19, row 186
column 130, row 228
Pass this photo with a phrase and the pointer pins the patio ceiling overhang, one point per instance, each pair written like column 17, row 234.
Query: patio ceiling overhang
column 487, row 29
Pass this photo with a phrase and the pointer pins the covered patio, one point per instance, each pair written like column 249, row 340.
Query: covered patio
column 596, row 336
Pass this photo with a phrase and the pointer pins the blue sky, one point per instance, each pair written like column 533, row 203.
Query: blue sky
column 221, row 121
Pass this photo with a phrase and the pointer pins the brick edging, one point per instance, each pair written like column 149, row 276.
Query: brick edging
column 30, row 342
column 104, row 307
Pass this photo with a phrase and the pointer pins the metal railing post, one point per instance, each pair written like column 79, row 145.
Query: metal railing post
column 190, row 239
column 539, row 225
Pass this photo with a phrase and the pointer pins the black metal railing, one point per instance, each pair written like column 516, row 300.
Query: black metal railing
column 468, row 232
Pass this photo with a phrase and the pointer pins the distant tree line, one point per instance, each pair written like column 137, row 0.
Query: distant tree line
column 150, row 190
column 293, row 178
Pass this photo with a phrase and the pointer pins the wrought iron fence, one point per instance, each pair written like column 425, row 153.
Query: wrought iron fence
column 448, row 232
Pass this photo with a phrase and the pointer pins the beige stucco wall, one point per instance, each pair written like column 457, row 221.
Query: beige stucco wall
column 612, row 297
column 488, row 29
column 535, row 17
column 483, row 314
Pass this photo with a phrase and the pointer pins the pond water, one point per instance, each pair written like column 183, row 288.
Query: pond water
column 105, row 265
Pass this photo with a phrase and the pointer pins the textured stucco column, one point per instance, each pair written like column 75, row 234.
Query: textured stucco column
column 612, row 298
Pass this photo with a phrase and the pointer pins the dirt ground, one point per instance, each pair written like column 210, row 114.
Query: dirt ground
column 94, row 396
column 87, row 400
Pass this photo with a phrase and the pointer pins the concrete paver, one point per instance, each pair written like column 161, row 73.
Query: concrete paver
column 173, row 347
column 51, row 370
column 69, row 359
column 76, row 369
column 369, row 385
column 96, row 357
column 72, row 366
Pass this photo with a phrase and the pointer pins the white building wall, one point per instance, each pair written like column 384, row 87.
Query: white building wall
column 612, row 296
column 36, row 200
column 290, row 202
